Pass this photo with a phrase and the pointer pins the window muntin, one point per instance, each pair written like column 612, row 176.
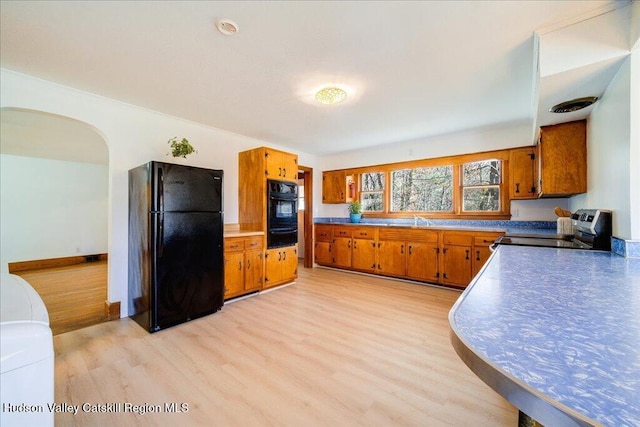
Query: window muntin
column 372, row 191
column 481, row 186
column 428, row 189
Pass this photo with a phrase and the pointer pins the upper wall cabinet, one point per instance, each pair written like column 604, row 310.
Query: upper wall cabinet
column 280, row 165
column 523, row 173
column 563, row 159
column 335, row 187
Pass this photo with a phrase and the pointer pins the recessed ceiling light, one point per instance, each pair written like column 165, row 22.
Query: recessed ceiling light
column 227, row 27
column 331, row 95
column 573, row 105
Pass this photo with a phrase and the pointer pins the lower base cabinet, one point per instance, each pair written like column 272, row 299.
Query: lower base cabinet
column 450, row 258
column 281, row 266
column 243, row 265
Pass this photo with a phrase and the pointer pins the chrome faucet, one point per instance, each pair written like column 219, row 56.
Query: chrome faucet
column 416, row 218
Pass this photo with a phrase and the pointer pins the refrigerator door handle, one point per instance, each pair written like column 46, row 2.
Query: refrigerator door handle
column 160, row 190
column 160, row 236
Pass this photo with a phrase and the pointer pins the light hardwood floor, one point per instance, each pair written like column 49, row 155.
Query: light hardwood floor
column 334, row 349
column 74, row 294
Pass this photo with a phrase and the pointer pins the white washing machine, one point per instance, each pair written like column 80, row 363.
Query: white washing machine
column 26, row 348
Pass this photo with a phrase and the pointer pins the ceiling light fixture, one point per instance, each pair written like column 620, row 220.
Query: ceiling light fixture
column 331, row 95
column 227, row 27
column 573, row 105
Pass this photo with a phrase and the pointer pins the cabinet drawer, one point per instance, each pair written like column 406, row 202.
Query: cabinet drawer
column 392, row 233
column 342, row 231
column 486, row 240
column 253, row 243
column 324, row 233
column 457, row 239
column 421, row 236
column 234, row 244
column 364, row 233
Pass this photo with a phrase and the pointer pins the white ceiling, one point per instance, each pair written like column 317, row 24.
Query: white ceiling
column 413, row 69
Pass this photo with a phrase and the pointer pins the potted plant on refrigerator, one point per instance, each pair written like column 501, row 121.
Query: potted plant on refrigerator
column 355, row 211
column 180, row 148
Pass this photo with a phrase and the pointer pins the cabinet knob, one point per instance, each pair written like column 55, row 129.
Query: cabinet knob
column 517, row 187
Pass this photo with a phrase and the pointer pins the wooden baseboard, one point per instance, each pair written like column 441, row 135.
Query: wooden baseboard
column 15, row 267
column 112, row 310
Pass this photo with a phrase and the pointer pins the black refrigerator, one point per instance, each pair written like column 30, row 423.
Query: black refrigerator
column 176, row 264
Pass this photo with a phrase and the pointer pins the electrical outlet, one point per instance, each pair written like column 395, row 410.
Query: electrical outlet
column 515, row 213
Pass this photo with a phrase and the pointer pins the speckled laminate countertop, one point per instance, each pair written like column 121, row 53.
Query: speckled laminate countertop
column 523, row 227
column 556, row 332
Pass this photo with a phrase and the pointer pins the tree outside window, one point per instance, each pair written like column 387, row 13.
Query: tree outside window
column 372, row 191
column 422, row 189
column 481, row 186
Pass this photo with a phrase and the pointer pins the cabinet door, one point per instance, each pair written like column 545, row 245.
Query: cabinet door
column 289, row 164
column 363, row 255
column 563, row 159
column 253, row 268
column 391, row 258
column 233, row 274
column 334, row 184
column 289, row 263
column 273, row 267
column 342, row 252
column 480, row 256
column 422, row 261
column 322, row 253
column 456, row 261
column 523, row 173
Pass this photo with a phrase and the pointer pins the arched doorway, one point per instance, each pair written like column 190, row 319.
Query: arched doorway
column 54, row 190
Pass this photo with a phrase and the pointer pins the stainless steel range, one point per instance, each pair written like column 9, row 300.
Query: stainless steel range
column 592, row 230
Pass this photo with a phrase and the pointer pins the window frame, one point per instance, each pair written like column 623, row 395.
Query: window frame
column 457, row 162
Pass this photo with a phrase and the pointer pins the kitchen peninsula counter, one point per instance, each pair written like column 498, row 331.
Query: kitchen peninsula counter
column 556, row 332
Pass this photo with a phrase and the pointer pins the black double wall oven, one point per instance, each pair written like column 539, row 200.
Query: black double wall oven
column 282, row 213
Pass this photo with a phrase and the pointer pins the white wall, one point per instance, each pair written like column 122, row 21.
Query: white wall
column 608, row 154
column 51, row 208
column 613, row 146
column 134, row 136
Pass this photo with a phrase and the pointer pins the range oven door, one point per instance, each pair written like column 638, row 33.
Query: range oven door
column 278, row 237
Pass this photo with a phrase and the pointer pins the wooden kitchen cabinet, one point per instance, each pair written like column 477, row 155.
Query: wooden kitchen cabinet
column 523, row 173
column 243, row 262
column 323, row 244
column 481, row 252
column 409, row 253
column 392, row 260
column 456, row 258
column 562, row 155
column 426, row 255
column 334, row 187
column 363, row 254
column 281, row 165
column 254, row 168
column 281, row 266
column 423, row 256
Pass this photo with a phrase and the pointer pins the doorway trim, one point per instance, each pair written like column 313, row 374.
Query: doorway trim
column 306, row 173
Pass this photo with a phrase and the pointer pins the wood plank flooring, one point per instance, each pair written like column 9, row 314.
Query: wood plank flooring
column 74, row 294
column 334, row 349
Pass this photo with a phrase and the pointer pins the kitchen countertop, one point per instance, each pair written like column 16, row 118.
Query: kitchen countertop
column 238, row 233
column 536, row 227
column 556, row 332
